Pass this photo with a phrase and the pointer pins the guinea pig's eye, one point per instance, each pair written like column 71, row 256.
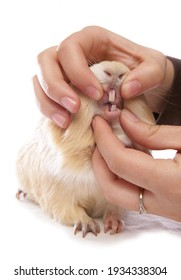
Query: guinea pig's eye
column 121, row 75
column 108, row 73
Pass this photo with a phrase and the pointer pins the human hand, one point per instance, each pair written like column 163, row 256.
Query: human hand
column 69, row 63
column 122, row 171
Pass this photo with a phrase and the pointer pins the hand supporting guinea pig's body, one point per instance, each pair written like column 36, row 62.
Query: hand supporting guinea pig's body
column 160, row 178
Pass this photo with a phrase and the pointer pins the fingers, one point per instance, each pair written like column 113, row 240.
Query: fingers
column 123, row 194
column 93, row 44
column 117, row 191
column 70, row 63
column 54, row 96
column 135, row 166
column 148, row 74
column 149, row 67
column 126, row 195
column 49, row 108
column 121, row 160
column 155, row 137
column 75, row 53
column 54, row 81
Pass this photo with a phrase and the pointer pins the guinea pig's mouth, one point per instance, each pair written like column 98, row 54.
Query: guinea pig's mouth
column 111, row 103
column 111, row 111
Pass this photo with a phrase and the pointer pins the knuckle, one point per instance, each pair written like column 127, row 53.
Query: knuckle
column 94, row 31
column 63, row 46
column 50, row 89
column 150, row 135
column 73, row 38
column 91, row 28
column 40, row 57
column 88, row 28
column 47, row 53
column 152, row 130
column 115, row 166
column 66, row 44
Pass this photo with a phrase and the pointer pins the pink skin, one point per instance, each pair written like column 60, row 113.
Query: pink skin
column 106, row 104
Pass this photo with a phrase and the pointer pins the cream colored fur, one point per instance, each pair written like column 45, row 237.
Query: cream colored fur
column 55, row 168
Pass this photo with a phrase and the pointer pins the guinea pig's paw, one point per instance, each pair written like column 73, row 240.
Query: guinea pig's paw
column 87, row 226
column 21, row 195
column 113, row 223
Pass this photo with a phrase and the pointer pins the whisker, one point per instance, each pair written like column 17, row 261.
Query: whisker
column 159, row 94
column 93, row 60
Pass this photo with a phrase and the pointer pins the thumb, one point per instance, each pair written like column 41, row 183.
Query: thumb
column 147, row 75
column 155, row 137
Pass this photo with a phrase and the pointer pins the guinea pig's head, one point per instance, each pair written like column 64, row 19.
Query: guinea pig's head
column 110, row 75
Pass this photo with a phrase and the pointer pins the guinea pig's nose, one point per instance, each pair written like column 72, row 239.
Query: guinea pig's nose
column 105, row 87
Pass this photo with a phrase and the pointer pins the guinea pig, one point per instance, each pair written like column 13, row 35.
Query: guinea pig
column 54, row 168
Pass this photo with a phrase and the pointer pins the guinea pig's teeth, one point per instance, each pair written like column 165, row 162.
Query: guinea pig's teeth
column 113, row 108
column 112, row 95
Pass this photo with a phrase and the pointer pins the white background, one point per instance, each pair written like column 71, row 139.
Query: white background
column 28, row 237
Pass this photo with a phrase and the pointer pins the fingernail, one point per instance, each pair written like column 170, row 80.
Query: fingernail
column 129, row 116
column 131, row 88
column 59, row 120
column 68, row 104
column 93, row 92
